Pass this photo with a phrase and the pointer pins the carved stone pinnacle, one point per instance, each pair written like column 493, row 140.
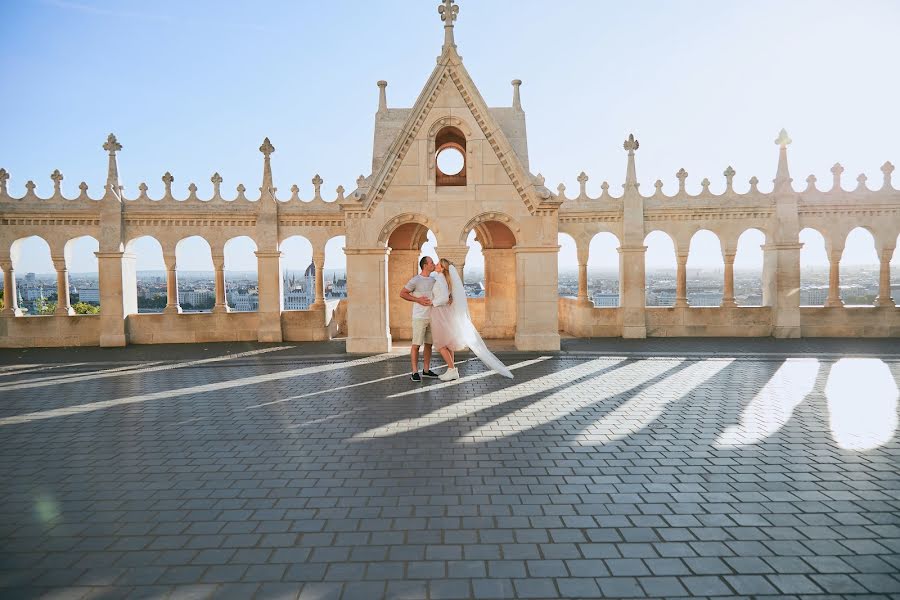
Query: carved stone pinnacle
column 783, row 140
column 267, row 148
column 631, row 144
column 112, row 145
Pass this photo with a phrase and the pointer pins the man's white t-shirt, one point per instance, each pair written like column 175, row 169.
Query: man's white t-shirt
column 420, row 287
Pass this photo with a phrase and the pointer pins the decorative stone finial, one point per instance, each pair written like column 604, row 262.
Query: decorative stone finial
column 217, row 182
column 561, row 191
column 658, row 185
column 604, row 186
column 861, row 182
column 267, row 148
column 192, row 188
column 382, row 96
column 582, row 184
column 705, row 184
column 539, row 179
column 317, row 186
column 57, row 178
column 83, row 187
column 29, row 187
column 143, row 189
column 836, row 171
column 811, row 183
column 167, row 180
column 754, row 181
column 361, row 181
column 729, row 178
column 340, row 193
column 887, row 169
column 517, row 100
column 783, row 139
column 112, row 145
column 448, row 11
column 681, row 175
column 782, row 174
column 4, row 176
column 631, row 144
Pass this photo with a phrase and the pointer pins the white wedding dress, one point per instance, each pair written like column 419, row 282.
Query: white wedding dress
column 451, row 325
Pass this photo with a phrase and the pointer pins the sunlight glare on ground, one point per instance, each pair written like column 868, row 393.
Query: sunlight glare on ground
column 862, row 403
column 773, row 405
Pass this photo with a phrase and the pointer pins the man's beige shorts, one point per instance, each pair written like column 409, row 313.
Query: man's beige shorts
column 421, row 332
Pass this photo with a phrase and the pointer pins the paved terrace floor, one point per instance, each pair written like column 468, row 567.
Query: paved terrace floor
column 625, row 469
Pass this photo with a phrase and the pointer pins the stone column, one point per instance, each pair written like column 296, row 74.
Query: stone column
column 681, row 281
column 768, row 275
column 834, row 279
column 583, row 249
column 633, row 291
column 221, row 305
column 172, row 306
column 784, row 271
column 367, row 300
column 112, row 302
column 319, row 264
column 884, row 279
column 402, row 266
column 10, row 297
column 63, row 305
column 728, row 296
column 500, row 289
column 270, row 295
column 456, row 255
column 537, row 296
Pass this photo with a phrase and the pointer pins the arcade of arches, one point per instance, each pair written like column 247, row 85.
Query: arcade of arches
column 496, row 194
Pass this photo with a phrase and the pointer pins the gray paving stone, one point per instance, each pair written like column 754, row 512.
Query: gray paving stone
column 207, row 496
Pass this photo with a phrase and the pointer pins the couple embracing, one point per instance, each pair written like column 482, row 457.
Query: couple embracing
column 441, row 319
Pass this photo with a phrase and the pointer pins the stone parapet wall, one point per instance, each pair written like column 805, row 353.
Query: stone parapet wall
column 50, row 331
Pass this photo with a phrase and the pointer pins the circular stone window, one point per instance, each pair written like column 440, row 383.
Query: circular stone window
column 451, row 161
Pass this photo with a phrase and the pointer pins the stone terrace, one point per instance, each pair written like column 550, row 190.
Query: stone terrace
column 626, row 469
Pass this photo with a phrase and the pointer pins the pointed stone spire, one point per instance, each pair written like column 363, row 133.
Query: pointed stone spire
column 382, row 97
column 448, row 11
column 782, row 175
column 267, row 149
column 517, row 100
column 631, row 145
column 112, row 146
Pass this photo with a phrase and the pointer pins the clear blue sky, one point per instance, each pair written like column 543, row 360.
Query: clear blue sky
column 193, row 87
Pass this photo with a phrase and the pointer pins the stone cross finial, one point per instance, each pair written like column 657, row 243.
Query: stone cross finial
column 382, row 96
column 561, row 190
column 4, row 176
column 783, row 139
column 517, row 100
column 605, row 187
column 631, row 144
column 448, row 11
column 887, row 169
column 539, row 179
column 317, row 185
column 861, row 181
column 29, row 185
column 754, row 181
column 267, row 148
column 217, row 182
column 57, row 178
column 192, row 188
column 658, row 185
column 705, row 184
column 836, row 172
column 340, row 193
column 112, row 145
column 729, row 177
column 83, row 187
column 810, row 183
column 143, row 189
column 167, row 180
column 582, row 183
column 361, row 181
column 681, row 175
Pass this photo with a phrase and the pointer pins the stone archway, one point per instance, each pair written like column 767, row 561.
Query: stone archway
column 405, row 243
column 497, row 241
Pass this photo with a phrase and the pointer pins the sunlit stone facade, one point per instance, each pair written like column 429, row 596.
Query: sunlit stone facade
column 497, row 194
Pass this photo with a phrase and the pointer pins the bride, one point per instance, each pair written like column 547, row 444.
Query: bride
column 451, row 327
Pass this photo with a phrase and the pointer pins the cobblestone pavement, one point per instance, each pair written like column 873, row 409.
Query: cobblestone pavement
column 268, row 472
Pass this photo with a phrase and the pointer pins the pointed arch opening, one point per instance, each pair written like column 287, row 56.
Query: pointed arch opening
column 705, row 270
column 195, row 275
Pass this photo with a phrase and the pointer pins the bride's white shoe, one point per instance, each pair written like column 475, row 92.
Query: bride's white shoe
column 449, row 375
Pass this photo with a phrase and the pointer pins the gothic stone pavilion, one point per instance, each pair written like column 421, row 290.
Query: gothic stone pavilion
column 515, row 217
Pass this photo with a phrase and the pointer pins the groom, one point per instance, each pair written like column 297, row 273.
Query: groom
column 418, row 290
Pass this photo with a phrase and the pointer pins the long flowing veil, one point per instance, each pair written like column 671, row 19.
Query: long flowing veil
column 467, row 329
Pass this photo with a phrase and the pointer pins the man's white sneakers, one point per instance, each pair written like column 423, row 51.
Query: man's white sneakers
column 449, row 375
